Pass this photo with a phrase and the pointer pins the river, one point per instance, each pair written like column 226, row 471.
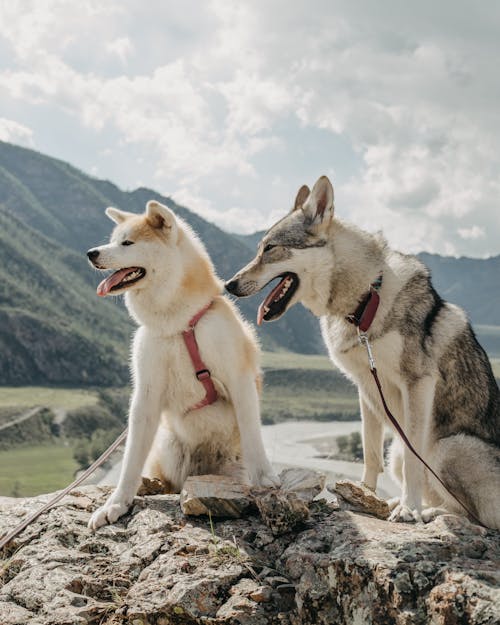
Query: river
column 303, row 444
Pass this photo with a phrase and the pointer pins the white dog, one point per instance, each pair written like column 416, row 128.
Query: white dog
column 179, row 424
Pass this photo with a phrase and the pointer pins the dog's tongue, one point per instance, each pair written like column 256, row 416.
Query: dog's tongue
column 115, row 278
column 260, row 314
column 268, row 301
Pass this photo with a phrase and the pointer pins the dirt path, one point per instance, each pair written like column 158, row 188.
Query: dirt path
column 22, row 417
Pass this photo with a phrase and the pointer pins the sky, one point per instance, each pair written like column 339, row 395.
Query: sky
column 229, row 107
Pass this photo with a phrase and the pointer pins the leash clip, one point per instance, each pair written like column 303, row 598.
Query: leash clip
column 363, row 340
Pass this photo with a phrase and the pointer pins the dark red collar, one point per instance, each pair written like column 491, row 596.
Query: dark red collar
column 365, row 313
column 201, row 371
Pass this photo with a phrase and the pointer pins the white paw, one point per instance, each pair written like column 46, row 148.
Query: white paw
column 270, row 480
column 429, row 514
column 107, row 514
column 404, row 514
column 263, row 476
column 393, row 502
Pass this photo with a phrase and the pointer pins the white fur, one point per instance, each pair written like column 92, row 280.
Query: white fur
column 164, row 436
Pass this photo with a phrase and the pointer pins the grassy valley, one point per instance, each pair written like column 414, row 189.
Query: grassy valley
column 296, row 386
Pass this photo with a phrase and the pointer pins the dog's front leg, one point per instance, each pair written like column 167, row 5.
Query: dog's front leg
column 418, row 400
column 143, row 423
column 373, row 440
column 246, row 404
column 144, row 416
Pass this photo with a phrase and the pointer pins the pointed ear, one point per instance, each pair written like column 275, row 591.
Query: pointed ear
column 159, row 216
column 302, row 195
column 318, row 207
column 116, row 215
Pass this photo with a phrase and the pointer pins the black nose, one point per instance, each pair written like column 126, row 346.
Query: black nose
column 92, row 254
column 232, row 286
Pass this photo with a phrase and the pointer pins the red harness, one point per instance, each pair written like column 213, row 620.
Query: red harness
column 201, row 371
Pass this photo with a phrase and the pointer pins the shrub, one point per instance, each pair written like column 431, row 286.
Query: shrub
column 350, row 446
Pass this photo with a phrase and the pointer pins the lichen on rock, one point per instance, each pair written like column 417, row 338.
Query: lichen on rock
column 156, row 566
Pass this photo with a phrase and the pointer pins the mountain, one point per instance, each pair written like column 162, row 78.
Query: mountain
column 53, row 328
column 472, row 283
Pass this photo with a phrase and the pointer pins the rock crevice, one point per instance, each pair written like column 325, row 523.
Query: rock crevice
column 157, row 566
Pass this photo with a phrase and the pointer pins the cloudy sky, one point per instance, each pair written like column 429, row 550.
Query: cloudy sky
column 230, row 106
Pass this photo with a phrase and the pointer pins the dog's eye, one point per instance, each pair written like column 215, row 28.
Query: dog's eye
column 127, row 242
column 269, row 247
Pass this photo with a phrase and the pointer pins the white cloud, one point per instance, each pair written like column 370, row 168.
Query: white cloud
column 474, row 232
column 209, row 96
column 13, row 132
column 235, row 219
column 121, row 47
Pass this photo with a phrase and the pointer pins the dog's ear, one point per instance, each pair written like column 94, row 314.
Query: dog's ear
column 159, row 216
column 116, row 215
column 302, row 195
column 318, row 207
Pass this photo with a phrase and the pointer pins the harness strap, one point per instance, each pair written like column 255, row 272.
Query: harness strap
column 362, row 318
column 201, row 371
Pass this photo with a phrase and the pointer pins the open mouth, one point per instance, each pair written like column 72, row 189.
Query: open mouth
column 278, row 299
column 121, row 279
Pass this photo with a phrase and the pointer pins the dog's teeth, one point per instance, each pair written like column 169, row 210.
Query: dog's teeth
column 266, row 309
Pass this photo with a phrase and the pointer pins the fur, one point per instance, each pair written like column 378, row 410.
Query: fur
column 436, row 377
column 165, row 439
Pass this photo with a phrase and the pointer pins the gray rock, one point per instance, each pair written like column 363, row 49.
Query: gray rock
column 362, row 499
column 216, row 495
column 281, row 511
column 305, row 483
column 156, row 567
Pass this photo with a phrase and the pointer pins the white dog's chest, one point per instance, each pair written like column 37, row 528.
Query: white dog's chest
column 164, row 362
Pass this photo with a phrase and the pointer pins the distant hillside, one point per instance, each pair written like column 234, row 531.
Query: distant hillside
column 50, row 330
column 54, row 329
column 472, row 283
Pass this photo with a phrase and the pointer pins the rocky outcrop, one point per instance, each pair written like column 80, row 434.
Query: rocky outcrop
column 160, row 567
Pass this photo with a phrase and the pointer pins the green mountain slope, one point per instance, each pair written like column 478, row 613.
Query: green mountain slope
column 53, row 323
column 53, row 328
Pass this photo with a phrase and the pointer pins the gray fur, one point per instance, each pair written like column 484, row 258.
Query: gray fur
column 436, row 377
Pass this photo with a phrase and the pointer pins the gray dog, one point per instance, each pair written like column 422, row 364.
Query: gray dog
column 436, row 377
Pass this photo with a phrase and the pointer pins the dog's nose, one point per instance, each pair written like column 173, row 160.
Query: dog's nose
column 92, row 254
column 231, row 286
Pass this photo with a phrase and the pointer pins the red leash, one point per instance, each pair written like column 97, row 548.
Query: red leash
column 362, row 318
column 5, row 540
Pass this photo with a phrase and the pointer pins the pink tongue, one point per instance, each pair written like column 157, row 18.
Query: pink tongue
column 115, row 278
column 268, row 301
column 260, row 314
